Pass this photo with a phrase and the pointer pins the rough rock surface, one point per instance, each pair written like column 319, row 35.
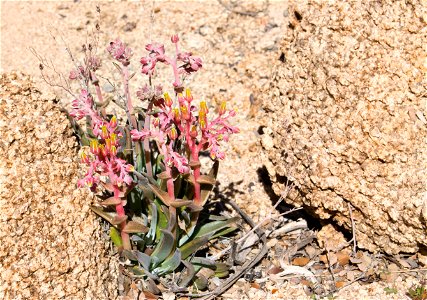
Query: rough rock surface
column 347, row 118
column 51, row 244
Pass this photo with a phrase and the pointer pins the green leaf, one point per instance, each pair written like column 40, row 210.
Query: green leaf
column 151, row 236
column 222, row 270
column 211, row 228
column 163, row 248
column 201, row 282
column 141, row 272
column 223, row 232
column 204, row 262
column 192, row 246
column 169, row 265
column 143, row 259
column 115, row 237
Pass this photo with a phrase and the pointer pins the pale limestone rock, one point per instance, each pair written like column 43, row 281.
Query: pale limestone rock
column 346, row 109
column 51, row 245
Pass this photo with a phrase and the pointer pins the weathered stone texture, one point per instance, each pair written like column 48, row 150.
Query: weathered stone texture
column 346, row 118
column 51, row 245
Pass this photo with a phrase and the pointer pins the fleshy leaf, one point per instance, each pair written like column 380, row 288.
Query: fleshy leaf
column 211, row 228
column 112, row 201
column 143, row 259
column 129, row 255
column 135, row 227
column 170, row 264
column 186, row 278
column 119, row 220
column 107, row 216
column 222, row 270
column 205, row 262
column 162, row 195
column 201, row 282
column 140, row 272
column 152, row 232
column 192, row 246
column 115, row 237
column 206, row 179
column 163, row 248
column 223, row 232
column 178, row 203
column 164, row 175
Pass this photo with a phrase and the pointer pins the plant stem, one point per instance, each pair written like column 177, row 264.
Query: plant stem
column 95, row 82
column 196, row 173
column 121, row 212
column 147, row 153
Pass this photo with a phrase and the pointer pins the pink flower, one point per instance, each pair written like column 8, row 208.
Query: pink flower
column 120, row 52
column 178, row 161
column 139, row 135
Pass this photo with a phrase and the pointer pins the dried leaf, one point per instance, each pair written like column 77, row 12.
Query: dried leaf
column 340, row 284
column 300, row 261
column 255, row 285
column 274, row 270
column 343, row 258
column 311, row 251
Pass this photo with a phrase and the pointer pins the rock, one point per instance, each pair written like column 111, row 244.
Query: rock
column 51, row 244
column 342, row 108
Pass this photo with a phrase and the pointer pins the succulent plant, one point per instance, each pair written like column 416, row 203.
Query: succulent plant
column 148, row 168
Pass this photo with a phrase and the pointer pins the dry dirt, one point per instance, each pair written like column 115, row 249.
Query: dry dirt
column 239, row 47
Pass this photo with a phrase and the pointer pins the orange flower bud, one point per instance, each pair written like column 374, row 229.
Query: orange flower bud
column 84, row 157
column 202, row 124
column 188, row 95
column 168, row 100
column 177, row 115
column 222, row 108
column 104, row 133
column 108, row 144
column 173, row 134
column 113, row 150
column 113, row 122
column 203, row 107
column 94, row 146
column 180, row 98
column 193, row 131
column 184, row 112
column 156, row 122
column 113, row 138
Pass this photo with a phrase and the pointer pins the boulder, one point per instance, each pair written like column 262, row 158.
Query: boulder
column 345, row 118
column 52, row 246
